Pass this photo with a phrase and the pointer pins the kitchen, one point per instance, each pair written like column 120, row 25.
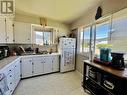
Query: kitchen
column 43, row 44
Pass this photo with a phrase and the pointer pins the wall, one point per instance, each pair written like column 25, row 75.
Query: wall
column 119, row 31
column 109, row 7
column 63, row 28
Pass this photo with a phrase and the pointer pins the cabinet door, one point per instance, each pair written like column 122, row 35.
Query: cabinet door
column 2, row 31
column 9, row 30
column 17, row 72
column 10, row 82
column 47, row 65
column 38, row 66
column 27, row 67
column 22, row 32
column 55, row 63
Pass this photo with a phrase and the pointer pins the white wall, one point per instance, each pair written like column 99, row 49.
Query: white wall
column 108, row 7
column 119, row 33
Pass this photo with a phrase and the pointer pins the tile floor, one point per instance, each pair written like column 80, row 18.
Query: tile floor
column 52, row 84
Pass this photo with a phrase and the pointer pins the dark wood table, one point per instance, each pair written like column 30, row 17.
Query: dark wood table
column 121, row 75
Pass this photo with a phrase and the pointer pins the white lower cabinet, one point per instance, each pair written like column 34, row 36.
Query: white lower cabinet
column 11, row 82
column 38, row 66
column 27, row 67
column 12, row 73
column 17, row 72
column 32, row 66
column 55, row 63
column 47, row 65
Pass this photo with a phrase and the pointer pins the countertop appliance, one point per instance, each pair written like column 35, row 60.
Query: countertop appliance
column 118, row 60
column 4, row 52
column 67, row 50
column 105, row 54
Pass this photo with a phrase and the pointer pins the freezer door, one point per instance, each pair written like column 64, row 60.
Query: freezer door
column 67, row 42
column 67, row 60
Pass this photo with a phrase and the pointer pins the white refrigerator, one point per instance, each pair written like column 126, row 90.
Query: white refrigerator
column 67, row 50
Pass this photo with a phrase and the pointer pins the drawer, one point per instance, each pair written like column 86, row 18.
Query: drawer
column 10, row 78
column 10, row 69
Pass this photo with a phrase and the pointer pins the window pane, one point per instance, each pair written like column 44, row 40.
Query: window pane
column 47, row 38
column 81, row 40
column 102, row 31
column 39, row 38
column 43, row 37
column 86, row 39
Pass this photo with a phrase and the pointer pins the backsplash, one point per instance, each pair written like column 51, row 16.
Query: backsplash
column 33, row 46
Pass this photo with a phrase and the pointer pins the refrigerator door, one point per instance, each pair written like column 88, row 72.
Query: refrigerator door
column 67, row 43
column 67, row 60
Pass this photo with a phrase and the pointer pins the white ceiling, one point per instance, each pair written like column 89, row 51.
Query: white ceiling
column 61, row 10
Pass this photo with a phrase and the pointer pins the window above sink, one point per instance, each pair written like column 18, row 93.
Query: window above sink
column 44, row 35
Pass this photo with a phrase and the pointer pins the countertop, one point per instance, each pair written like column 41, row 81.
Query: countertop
column 111, row 70
column 40, row 55
column 8, row 60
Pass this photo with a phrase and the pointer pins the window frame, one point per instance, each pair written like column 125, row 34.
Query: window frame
column 93, row 34
column 35, row 27
column 43, row 36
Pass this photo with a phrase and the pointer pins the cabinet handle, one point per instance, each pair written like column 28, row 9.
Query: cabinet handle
column 10, row 75
column 9, row 70
column 10, row 82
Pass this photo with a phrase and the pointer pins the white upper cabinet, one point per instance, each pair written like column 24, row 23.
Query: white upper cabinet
column 22, row 32
column 6, row 30
column 9, row 30
column 2, row 31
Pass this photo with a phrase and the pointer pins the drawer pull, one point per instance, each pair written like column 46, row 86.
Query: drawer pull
column 11, row 83
column 9, row 70
column 10, row 75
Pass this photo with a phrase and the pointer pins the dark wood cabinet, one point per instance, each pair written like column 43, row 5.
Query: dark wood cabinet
column 104, row 80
